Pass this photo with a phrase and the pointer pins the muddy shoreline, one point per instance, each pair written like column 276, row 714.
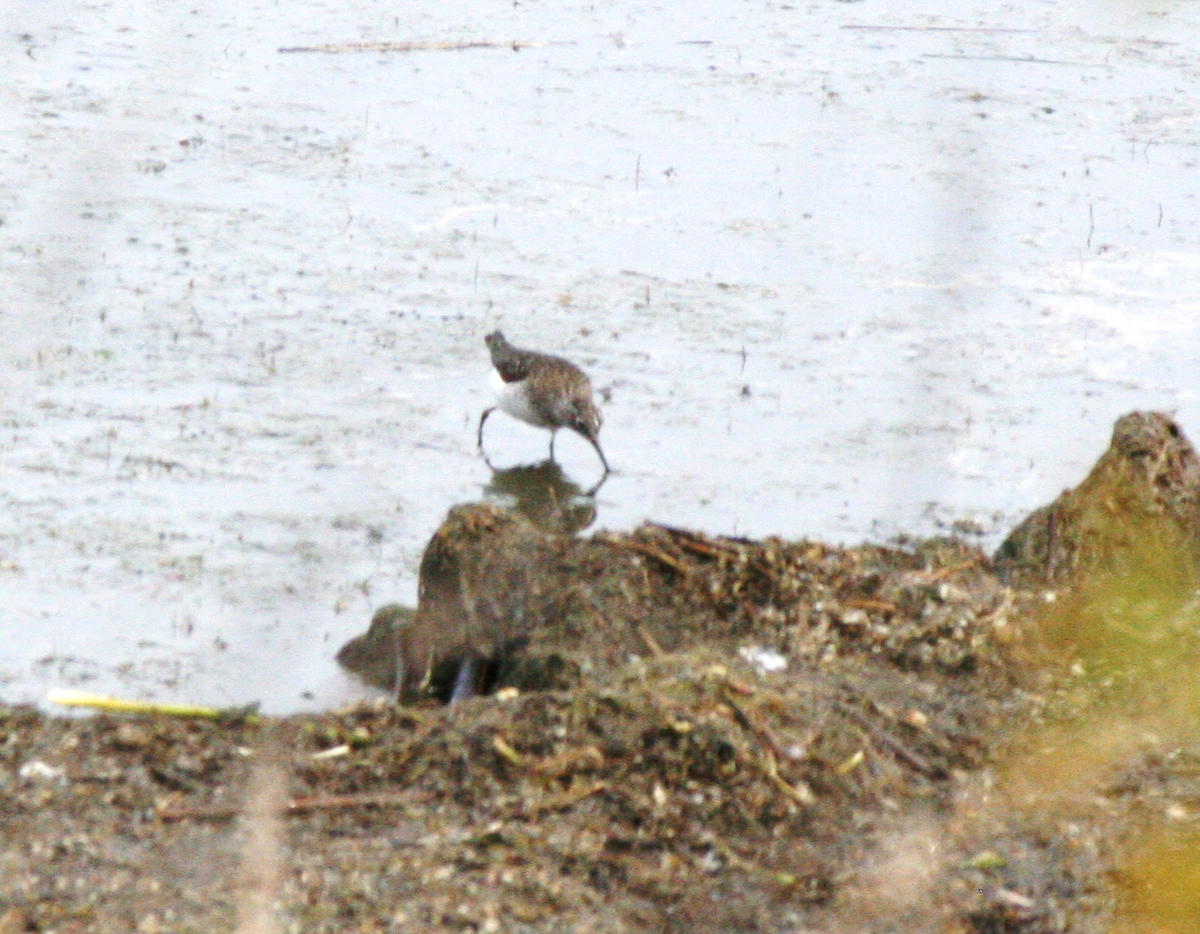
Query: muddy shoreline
column 694, row 733
column 690, row 788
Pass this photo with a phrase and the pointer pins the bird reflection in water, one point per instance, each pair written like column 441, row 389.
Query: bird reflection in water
column 545, row 496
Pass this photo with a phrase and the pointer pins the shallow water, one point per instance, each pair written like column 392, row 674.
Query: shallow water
column 831, row 281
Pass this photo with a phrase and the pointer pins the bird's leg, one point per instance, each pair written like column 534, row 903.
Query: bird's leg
column 479, row 436
column 482, row 419
column 553, row 435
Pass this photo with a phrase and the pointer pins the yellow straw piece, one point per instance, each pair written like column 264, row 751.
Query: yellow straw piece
column 70, row 698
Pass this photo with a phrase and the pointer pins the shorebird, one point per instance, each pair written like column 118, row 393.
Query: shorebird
column 543, row 391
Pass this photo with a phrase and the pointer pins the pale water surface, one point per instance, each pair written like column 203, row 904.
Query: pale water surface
column 841, row 270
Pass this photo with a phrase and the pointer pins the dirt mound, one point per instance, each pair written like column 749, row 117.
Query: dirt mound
column 687, row 733
column 1140, row 504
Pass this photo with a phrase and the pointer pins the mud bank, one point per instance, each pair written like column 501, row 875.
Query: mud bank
column 692, row 733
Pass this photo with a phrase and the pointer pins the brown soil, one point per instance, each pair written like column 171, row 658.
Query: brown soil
column 645, row 765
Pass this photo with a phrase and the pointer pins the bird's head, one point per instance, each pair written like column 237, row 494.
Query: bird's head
column 495, row 341
column 585, row 419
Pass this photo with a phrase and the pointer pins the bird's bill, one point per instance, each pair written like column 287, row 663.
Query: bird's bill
column 603, row 459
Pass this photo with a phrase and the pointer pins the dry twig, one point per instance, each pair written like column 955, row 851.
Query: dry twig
column 651, row 552
column 291, row 808
column 515, row 44
column 899, row 749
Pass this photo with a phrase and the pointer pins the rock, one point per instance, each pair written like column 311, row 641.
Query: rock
column 375, row 655
column 482, row 586
column 1140, row 504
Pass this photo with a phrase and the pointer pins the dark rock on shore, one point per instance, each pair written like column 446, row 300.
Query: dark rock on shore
column 1140, row 503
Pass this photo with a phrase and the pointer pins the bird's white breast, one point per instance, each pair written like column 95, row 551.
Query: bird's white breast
column 513, row 399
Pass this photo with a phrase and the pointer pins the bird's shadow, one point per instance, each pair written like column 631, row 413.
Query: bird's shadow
column 545, row 495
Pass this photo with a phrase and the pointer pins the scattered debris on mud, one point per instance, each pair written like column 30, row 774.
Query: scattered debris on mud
column 676, row 732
